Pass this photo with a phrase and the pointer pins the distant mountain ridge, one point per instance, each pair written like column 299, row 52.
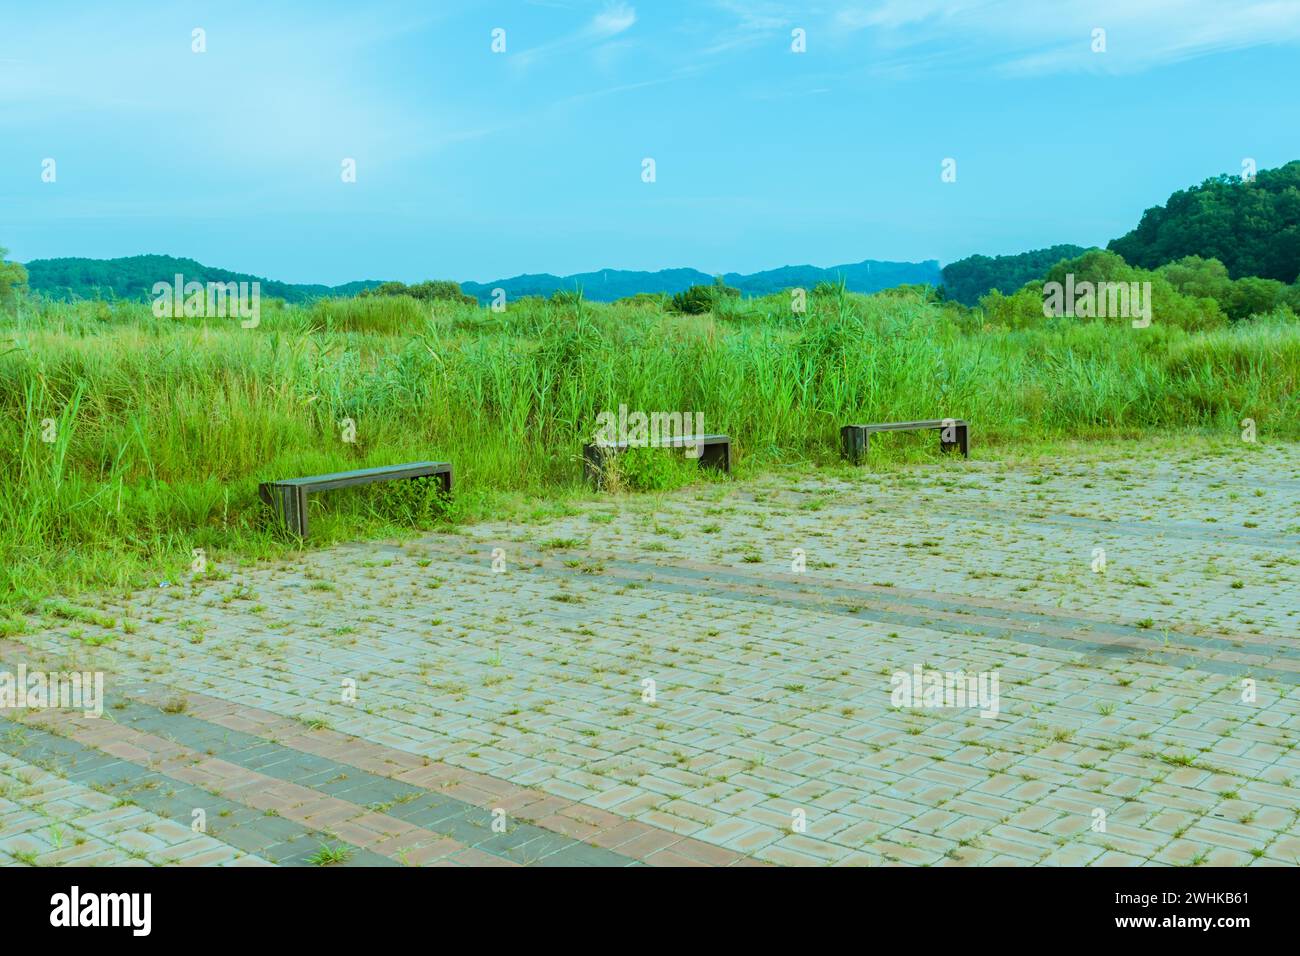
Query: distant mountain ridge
column 608, row 284
column 133, row 277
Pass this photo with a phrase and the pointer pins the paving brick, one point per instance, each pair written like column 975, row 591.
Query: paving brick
column 785, row 705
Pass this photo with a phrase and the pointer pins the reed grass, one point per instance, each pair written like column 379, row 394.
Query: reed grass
column 162, row 428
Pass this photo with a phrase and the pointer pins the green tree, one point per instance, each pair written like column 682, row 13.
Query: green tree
column 1201, row 278
column 1169, row 306
column 1254, row 296
column 1253, row 228
column 1095, row 265
column 1292, row 297
column 429, row 291
column 13, row 282
column 441, row 290
column 699, row 299
column 967, row 279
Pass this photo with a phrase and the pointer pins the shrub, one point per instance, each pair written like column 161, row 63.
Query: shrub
column 656, row 300
column 1168, row 305
column 1023, row 309
column 566, row 297
column 1199, row 278
column 429, row 291
column 699, row 299
column 1253, row 296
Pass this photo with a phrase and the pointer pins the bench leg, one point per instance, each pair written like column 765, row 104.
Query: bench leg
column 958, row 439
column 290, row 505
column 445, row 478
column 593, row 465
column 854, row 443
column 716, row 456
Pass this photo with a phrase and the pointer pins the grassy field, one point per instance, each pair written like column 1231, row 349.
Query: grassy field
column 128, row 440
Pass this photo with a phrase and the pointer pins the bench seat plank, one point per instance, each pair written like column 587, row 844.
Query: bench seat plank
column 361, row 476
column 909, row 426
column 677, row 441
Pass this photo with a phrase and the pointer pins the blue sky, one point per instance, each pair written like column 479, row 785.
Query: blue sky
column 478, row 165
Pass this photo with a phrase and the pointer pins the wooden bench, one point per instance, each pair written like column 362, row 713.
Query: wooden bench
column 856, row 439
column 715, row 452
column 289, row 497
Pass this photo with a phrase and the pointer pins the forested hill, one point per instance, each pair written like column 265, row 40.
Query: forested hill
column 133, row 277
column 1253, row 228
column 967, row 279
column 610, row 284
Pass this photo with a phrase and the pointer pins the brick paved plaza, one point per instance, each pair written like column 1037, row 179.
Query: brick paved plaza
column 657, row 679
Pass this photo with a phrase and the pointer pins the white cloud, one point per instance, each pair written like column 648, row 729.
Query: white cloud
column 756, row 21
column 1031, row 37
column 893, row 14
column 613, row 20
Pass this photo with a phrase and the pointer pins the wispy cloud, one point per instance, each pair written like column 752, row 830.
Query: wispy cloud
column 894, row 14
column 752, row 22
column 610, row 22
column 1029, row 37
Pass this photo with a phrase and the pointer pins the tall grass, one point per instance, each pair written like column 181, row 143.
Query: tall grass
column 162, row 428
